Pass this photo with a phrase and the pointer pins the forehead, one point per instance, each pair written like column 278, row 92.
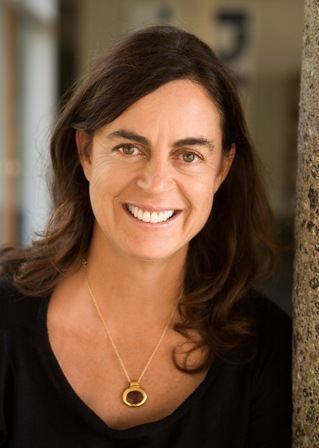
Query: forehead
column 178, row 108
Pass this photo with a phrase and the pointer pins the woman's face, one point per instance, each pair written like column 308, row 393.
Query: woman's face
column 154, row 170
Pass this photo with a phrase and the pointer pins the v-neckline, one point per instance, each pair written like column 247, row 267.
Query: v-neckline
column 93, row 419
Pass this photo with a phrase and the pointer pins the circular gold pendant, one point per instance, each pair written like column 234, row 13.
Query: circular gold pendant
column 134, row 395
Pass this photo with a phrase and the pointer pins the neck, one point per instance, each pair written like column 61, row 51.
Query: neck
column 120, row 282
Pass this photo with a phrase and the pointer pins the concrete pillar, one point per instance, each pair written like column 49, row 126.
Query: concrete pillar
column 306, row 280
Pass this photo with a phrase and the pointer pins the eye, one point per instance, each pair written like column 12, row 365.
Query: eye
column 128, row 149
column 190, row 157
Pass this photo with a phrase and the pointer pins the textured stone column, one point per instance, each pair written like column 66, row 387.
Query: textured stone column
column 306, row 280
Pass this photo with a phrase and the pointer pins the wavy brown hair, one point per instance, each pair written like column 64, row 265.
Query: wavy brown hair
column 237, row 243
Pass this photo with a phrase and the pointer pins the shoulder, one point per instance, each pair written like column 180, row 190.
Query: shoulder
column 270, row 374
column 16, row 309
column 270, row 332
column 273, row 337
column 7, row 296
column 270, row 319
column 8, row 293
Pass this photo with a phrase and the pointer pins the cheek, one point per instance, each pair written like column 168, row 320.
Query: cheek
column 108, row 184
column 103, row 187
column 202, row 194
column 106, row 176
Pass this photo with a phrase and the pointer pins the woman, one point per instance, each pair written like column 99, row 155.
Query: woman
column 132, row 321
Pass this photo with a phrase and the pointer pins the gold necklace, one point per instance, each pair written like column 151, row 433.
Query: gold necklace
column 134, row 395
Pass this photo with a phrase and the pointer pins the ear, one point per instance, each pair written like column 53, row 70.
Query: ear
column 83, row 140
column 225, row 165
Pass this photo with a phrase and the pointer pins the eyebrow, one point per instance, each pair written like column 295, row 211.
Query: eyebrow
column 188, row 141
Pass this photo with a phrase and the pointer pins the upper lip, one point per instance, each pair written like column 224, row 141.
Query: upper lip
column 152, row 208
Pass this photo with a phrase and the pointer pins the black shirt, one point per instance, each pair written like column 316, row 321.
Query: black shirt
column 237, row 405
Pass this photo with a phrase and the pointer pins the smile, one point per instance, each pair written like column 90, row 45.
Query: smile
column 149, row 215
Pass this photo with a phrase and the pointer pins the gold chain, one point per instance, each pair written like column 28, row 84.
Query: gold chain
column 113, row 343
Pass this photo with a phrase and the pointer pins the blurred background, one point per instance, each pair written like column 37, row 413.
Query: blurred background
column 45, row 45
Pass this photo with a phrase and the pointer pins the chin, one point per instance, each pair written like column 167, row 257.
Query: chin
column 149, row 254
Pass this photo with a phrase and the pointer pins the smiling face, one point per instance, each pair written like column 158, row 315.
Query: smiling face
column 153, row 172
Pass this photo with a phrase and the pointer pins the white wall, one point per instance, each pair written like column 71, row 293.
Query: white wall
column 2, row 112
column 38, row 110
column 34, row 99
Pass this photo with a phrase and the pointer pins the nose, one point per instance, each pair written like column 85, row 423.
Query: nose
column 156, row 177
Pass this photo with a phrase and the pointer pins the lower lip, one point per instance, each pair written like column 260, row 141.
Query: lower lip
column 149, row 225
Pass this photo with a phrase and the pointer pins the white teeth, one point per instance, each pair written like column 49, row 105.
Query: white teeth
column 139, row 214
column 154, row 217
column 146, row 216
